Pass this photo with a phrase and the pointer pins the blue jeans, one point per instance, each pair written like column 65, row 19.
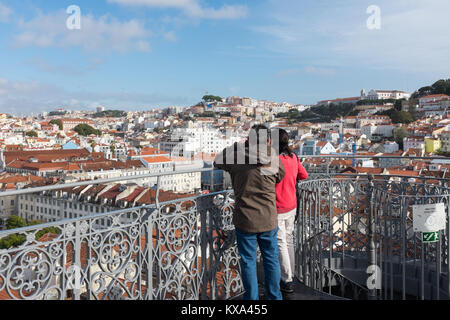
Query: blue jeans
column 268, row 245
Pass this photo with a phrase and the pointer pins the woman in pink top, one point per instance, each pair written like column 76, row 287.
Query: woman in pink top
column 287, row 209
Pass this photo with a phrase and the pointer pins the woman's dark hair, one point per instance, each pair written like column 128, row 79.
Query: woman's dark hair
column 284, row 142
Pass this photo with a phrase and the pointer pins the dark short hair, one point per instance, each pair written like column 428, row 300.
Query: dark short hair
column 257, row 129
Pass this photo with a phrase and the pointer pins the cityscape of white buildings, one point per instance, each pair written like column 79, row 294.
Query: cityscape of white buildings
column 35, row 150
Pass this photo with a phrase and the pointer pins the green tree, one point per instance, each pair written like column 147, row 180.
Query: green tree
column 14, row 222
column 211, row 98
column 412, row 109
column 402, row 117
column 207, row 114
column 86, row 130
column 399, row 135
column 57, row 122
column 42, row 232
column 34, row 222
column 398, row 105
column 439, row 87
column 13, row 240
column 31, row 133
column 110, row 114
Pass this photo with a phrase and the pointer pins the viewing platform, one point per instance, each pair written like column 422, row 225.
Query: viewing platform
column 349, row 225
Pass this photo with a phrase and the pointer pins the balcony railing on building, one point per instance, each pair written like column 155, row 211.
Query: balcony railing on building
column 349, row 224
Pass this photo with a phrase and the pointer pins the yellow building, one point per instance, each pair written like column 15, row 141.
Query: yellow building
column 432, row 145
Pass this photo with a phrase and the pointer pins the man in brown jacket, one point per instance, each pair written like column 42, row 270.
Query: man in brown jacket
column 255, row 169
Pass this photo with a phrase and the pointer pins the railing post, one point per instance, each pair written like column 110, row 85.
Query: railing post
column 372, row 257
column 77, row 265
column 204, row 241
column 158, row 183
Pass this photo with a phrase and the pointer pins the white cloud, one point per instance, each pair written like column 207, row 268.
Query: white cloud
column 5, row 13
column 143, row 46
column 25, row 97
column 170, row 36
column 191, row 8
column 103, row 34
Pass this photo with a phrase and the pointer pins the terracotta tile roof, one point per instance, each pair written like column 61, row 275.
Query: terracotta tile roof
column 431, row 96
column 94, row 190
column 133, row 195
column 406, row 173
column 111, row 193
column 148, row 151
column 108, row 165
column 156, row 159
column 19, row 178
column 149, row 196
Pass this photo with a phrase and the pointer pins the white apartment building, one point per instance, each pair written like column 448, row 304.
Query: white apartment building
column 413, row 143
column 185, row 142
column 333, row 136
column 152, row 124
column 439, row 112
column 8, row 207
column 445, row 141
column 69, row 124
column 432, row 100
column 49, row 208
column 117, row 173
column 187, row 182
column 281, row 107
column 327, row 126
column 387, row 94
column 391, row 147
column 105, row 148
column 220, row 108
column 379, row 130
column 375, row 120
column 14, row 139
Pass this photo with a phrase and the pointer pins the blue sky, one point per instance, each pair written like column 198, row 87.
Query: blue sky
column 142, row 54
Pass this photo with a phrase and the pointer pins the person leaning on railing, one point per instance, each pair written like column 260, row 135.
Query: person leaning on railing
column 287, row 209
column 255, row 169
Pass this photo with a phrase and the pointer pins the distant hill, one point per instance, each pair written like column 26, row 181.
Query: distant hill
column 56, row 113
column 320, row 113
column 439, row 87
column 110, row 114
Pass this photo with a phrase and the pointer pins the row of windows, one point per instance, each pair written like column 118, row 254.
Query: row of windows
column 70, row 205
column 11, row 202
column 103, row 222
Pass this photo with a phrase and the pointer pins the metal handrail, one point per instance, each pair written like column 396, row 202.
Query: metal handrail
column 383, row 257
column 100, row 181
column 212, row 169
column 357, row 156
column 106, row 214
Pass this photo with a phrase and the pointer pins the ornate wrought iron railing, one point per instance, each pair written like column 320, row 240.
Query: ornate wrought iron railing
column 350, row 227
column 181, row 249
column 185, row 249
